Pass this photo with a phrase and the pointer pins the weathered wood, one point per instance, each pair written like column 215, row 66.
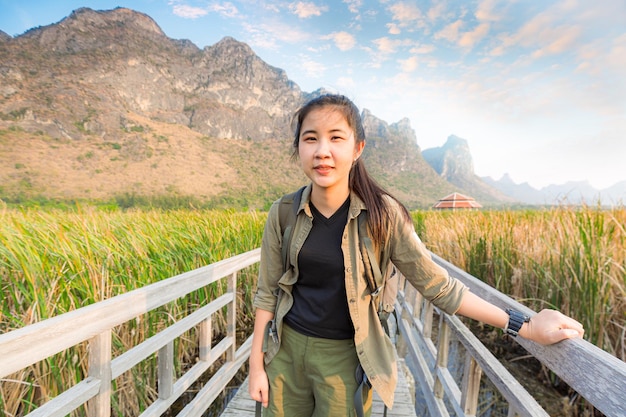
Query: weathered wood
column 166, row 370
column 138, row 353
column 471, row 386
column 595, row 374
column 501, row 378
column 442, row 356
column 420, row 351
column 100, row 368
column 64, row 331
column 68, row 401
column 217, row 383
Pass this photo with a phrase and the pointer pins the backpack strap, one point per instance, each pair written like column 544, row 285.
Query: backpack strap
column 373, row 273
column 287, row 212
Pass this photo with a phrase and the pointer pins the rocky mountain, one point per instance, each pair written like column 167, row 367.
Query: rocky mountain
column 453, row 162
column 573, row 192
column 103, row 104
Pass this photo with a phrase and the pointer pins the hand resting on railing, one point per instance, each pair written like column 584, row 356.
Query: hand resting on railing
column 551, row 326
column 546, row 327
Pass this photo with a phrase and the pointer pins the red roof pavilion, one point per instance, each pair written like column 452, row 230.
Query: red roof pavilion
column 457, row 201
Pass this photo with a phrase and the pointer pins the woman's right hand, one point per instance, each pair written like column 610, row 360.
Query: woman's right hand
column 258, row 386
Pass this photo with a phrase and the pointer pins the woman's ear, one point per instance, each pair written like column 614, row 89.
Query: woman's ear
column 358, row 150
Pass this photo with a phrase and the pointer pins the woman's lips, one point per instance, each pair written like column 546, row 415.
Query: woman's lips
column 323, row 169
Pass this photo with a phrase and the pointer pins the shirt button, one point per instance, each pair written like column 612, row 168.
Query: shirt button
column 349, row 269
column 352, row 300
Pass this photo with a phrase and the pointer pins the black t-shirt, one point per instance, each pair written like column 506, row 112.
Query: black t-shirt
column 320, row 308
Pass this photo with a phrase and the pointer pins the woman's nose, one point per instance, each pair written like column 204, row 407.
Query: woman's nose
column 323, row 148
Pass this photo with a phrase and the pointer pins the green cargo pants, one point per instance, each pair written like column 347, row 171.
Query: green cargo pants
column 313, row 377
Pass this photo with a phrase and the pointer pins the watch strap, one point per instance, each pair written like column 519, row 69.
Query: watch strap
column 516, row 320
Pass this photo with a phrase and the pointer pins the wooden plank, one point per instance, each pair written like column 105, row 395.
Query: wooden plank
column 69, row 400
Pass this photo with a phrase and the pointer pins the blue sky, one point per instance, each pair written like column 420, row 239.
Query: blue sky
column 537, row 88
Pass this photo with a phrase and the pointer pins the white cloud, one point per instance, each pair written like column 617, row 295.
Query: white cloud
column 386, row 45
column 485, row 12
column 271, row 35
column 469, row 39
column 226, row 9
column 188, row 12
column 437, row 11
column 450, row 32
column 354, row 5
column 311, row 68
column 343, row 40
column 408, row 65
column 305, row 10
column 393, row 29
column 406, row 14
column 422, row 49
column 557, row 41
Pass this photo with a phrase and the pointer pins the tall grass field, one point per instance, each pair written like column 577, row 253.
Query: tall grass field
column 51, row 262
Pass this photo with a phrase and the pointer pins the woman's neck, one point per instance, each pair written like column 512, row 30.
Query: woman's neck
column 327, row 201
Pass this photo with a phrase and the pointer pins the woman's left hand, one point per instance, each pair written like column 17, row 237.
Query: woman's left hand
column 551, row 326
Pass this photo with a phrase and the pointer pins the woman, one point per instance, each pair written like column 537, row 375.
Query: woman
column 315, row 324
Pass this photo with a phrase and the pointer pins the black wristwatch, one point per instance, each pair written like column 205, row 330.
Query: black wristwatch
column 516, row 320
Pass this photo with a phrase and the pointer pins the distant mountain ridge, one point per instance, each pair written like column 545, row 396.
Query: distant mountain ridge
column 573, row 192
column 103, row 104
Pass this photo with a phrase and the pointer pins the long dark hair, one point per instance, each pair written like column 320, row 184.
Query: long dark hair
column 360, row 182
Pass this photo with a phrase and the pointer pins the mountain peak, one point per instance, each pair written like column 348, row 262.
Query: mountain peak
column 90, row 30
column 455, row 141
column 452, row 160
column 131, row 19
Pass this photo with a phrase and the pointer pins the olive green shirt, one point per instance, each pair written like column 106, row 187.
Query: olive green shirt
column 405, row 250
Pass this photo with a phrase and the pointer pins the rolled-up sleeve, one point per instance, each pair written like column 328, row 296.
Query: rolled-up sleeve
column 414, row 261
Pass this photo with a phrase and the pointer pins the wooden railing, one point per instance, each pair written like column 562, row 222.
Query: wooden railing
column 593, row 373
column 24, row 347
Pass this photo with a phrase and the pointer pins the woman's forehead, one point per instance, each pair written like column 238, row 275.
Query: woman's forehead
column 326, row 115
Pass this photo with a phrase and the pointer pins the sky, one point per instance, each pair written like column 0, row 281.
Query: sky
column 536, row 87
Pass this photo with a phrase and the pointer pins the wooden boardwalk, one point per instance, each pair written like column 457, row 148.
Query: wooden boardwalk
column 242, row 405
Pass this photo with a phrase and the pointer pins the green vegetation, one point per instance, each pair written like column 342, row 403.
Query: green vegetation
column 56, row 260
column 570, row 259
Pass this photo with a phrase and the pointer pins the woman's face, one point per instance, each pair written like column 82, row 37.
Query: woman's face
column 327, row 148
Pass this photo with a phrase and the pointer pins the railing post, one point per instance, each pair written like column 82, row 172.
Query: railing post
column 231, row 321
column 471, row 385
column 205, row 337
column 100, row 368
column 443, row 348
column 166, row 370
column 427, row 320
